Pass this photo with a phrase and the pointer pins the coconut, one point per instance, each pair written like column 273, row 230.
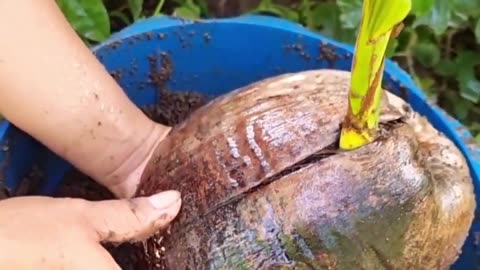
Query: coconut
column 265, row 186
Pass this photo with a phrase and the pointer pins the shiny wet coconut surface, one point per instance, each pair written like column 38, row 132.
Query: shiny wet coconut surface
column 264, row 186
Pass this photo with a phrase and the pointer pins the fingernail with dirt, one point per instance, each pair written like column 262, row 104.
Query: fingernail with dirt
column 165, row 200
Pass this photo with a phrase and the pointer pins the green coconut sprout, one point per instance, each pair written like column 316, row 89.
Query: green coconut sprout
column 381, row 21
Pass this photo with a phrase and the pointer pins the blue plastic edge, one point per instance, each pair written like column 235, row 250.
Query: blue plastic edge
column 460, row 135
column 462, row 138
column 441, row 120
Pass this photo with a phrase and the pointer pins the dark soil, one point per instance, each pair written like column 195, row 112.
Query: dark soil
column 77, row 185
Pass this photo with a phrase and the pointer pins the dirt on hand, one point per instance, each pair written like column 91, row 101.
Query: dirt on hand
column 171, row 108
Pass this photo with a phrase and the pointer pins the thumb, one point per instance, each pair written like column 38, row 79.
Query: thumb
column 132, row 219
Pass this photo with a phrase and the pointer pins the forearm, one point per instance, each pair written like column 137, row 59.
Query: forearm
column 52, row 87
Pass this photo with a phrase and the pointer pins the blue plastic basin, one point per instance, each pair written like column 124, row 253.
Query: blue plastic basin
column 217, row 56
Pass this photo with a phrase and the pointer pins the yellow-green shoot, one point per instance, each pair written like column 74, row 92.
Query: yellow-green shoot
column 381, row 21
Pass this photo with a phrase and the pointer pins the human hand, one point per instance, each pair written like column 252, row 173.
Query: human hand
column 70, row 103
column 122, row 174
column 47, row 233
column 79, row 112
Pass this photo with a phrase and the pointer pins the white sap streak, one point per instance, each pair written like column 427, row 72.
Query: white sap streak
column 256, row 149
column 232, row 145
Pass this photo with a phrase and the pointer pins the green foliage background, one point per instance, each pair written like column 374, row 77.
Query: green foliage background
column 439, row 47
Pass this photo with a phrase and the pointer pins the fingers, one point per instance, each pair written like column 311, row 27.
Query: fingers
column 132, row 219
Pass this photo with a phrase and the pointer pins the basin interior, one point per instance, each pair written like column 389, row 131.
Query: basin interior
column 214, row 57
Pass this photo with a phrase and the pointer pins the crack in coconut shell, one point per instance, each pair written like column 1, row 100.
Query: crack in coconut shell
column 259, row 147
column 385, row 128
column 256, row 194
